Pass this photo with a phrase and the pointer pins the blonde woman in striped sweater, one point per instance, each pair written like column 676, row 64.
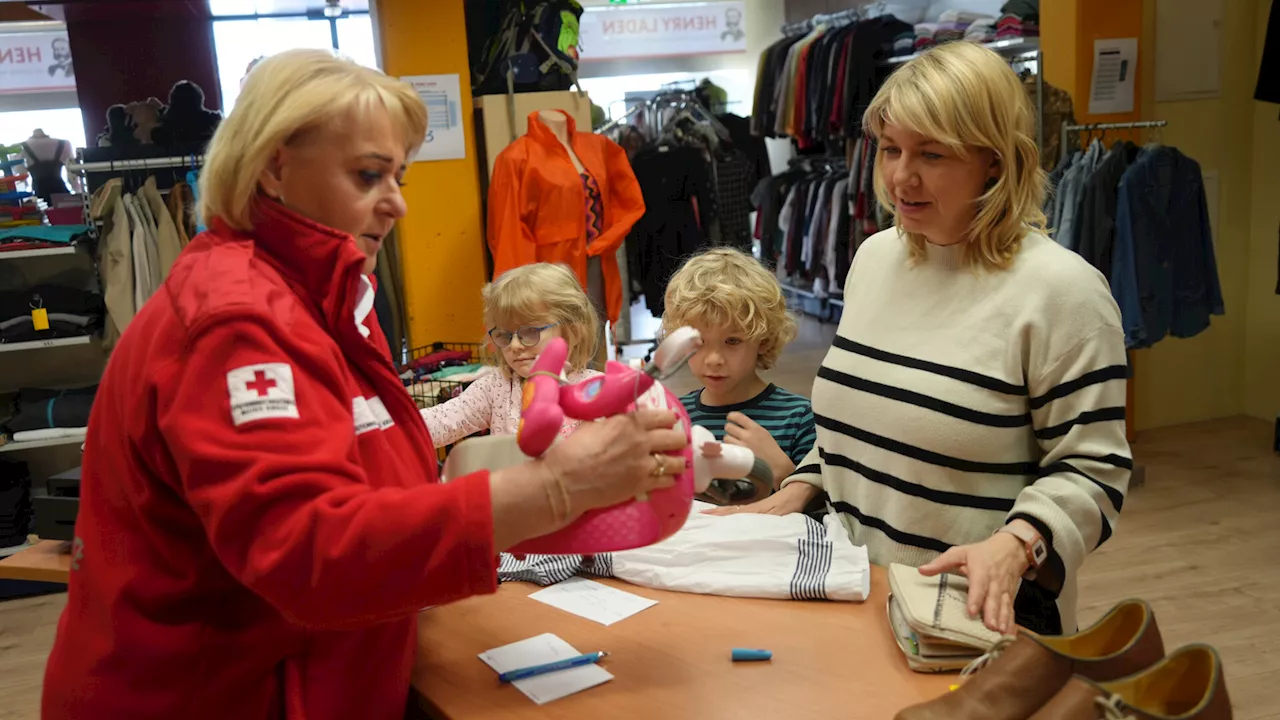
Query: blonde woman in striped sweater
column 971, row 410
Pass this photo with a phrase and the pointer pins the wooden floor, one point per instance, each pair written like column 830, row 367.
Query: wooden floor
column 1200, row 541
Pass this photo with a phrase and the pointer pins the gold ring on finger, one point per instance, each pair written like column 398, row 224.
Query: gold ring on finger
column 660, row 466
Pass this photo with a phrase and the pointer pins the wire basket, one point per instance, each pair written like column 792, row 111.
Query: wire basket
column 419, row 366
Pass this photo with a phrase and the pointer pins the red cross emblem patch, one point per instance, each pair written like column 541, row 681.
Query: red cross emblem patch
column 261, row 392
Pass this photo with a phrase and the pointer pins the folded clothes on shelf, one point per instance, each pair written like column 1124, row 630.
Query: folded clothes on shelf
column 40, row 409
column 46, row 233
column 68, row 312
column 50, row 434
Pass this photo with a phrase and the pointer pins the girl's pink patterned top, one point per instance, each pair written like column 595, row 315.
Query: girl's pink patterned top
column 490, row 403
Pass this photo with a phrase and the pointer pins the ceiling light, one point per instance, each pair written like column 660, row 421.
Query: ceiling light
column 333, row 8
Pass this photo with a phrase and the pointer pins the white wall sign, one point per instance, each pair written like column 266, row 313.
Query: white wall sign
column 35, row 62
column 1115, row 67
column 442, row 94
column 645, row 31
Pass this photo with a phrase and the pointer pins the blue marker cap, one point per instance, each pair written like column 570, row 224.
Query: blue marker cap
column 747, row 655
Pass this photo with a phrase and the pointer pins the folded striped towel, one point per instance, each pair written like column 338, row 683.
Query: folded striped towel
column 746, row 555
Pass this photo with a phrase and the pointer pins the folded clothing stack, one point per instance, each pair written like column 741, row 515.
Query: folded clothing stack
column 948, row 31
column 70, row 313
column 40, row 414
column 15, row 503
column 982, row 30
column 1009, row 27
column 791, row 557
column 925, row 33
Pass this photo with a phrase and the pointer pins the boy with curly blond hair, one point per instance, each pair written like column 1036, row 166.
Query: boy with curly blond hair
column 739, row 308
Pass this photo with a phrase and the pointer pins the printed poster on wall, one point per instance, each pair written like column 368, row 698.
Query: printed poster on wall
column 442, row 94
column 1115, row 64
column 36, row 62
column 673, row 30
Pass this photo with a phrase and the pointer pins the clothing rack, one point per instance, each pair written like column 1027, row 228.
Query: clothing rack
column 843, row 17
column 682, row 99
column 110, row 166
column 1090, row 127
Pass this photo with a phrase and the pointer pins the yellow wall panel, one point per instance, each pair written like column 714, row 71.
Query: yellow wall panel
column 441, row 239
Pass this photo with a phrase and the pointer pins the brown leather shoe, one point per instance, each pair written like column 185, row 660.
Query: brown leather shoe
column 1022, row 674
column 1187, row 685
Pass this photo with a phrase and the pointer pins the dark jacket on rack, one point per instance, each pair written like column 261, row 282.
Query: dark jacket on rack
column 1097, row 223
column 1164, row 275
column 677, row 188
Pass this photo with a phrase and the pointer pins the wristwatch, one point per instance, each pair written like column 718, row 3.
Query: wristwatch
column 1037, row 550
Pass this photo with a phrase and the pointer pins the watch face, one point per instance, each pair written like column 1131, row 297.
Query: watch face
column 1039, row 552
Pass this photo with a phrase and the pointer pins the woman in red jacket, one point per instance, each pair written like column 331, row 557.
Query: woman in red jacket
column 260, row 516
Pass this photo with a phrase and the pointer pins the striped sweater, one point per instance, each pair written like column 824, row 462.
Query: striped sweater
column 953, row 401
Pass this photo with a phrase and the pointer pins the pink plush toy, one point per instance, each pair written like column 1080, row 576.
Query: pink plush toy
column 644, row 520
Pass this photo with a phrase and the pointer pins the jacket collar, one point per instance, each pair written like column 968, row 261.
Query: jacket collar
column 324, row 262
column 543, row 134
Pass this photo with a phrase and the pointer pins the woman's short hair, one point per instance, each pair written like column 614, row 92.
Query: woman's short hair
column 538, row 294
column 966, row 97
column 729, row 289
column 285, row 96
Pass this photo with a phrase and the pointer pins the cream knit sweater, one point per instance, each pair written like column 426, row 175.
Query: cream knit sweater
column 955, row 400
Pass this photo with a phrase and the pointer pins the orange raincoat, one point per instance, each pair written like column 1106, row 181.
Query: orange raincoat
column 538, row 208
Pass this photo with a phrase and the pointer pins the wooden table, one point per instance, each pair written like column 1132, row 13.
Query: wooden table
column 46, row 561
column 830, row 659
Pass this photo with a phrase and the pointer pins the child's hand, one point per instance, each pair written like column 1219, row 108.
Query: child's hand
column 742, row 430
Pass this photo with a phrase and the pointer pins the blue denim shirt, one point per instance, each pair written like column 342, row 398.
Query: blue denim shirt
column 1072, row 191
column 1163, row 275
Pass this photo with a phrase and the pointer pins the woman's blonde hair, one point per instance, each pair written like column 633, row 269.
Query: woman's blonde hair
column 538, row 294
column 726, row 288
column 967, row 97
column 285, row 96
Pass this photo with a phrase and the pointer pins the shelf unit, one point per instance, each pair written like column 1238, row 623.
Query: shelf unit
column 43, row 344
column 39, row 252
column 37, row 444
column 57, row 362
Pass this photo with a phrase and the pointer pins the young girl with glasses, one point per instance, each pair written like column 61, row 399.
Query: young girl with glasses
column 524, row 309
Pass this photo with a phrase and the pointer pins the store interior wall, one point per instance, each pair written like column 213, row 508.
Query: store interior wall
column 441, row 240
column 134, row 49
column 1204, row 377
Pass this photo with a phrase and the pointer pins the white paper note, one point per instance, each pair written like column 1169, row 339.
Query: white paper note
column 1115, row 65
column 539, row 650
column 446, row 138
column 593, row 601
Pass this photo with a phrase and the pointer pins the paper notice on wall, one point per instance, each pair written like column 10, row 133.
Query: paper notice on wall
column 1115, row 67
column 442, row 94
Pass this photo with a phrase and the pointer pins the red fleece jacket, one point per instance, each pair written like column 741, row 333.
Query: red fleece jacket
column 260, row 516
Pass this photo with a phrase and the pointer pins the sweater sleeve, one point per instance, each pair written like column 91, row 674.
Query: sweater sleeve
column 469, row 413
column 808, row 470
column 510, row 239
column 284, row 500
column 1077, row 411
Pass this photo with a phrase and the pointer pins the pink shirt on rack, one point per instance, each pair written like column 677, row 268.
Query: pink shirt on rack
column 493, row 403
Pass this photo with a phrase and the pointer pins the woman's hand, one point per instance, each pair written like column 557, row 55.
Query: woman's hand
column 994, row 567
column 742, row 430
column 605, row 463
column 790, row 499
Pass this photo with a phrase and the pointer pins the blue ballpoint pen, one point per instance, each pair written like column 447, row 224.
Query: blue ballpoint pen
column 565, row 664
